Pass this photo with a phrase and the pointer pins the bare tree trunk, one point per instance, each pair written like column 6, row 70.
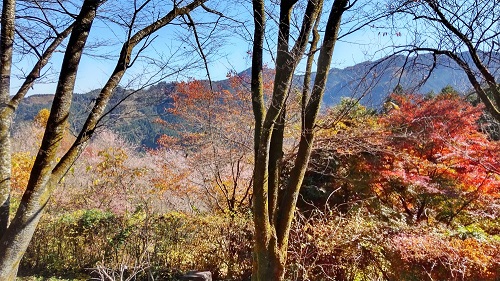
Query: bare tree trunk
column 274, row 211
column 7, row 113
column 15, row 240
column 6, row 48
column 46, row 173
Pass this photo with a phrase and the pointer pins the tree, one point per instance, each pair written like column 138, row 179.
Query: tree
column 274, row 209
column 467, row 32
column 213, row 134
column 425, row 158
column 47, row 170
column 441, row 161
column 364, row 164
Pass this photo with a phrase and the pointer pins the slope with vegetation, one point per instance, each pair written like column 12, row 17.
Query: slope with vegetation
column 407, row 193
column 251, row 178
column 135, row 116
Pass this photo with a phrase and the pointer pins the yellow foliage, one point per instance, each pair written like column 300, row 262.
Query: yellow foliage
column 22, row 163
column 112, row 158
column 42, row 118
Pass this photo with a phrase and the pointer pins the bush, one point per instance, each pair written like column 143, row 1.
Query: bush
column 362, row 246
column 158, row 244
column 433, row 255
column 339, row 247
column 358, row 245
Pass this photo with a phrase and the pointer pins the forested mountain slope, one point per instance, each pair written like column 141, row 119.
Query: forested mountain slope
column 136, row 111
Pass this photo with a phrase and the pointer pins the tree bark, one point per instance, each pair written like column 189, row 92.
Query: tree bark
column 16, row 238
column 273, row 211
column 8, row 108
column 307, row 137
column 6, row 49
column 6, row 117
column 46, row 173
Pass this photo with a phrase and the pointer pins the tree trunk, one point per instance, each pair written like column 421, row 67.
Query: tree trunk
column 274, row 211
column 6, row 48
column 271, row 267
column 46, row 174
column 5, row 170
column 16, row 238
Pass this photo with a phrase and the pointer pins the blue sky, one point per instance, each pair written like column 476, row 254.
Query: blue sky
column 232, row 54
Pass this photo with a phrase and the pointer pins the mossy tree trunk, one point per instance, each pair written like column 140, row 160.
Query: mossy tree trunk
column 274, row 209
column 6, row 48
column 17, row 236
column 47, row 172
column 10, row 104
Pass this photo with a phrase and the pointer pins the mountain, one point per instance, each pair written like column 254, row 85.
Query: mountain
column 373, row 81
column 133, row 114
column 136, row 111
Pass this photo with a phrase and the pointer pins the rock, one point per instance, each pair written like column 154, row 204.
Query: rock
column 197, row 276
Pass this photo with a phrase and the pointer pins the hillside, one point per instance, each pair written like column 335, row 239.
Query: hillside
column 374, row 80
column 134, row 116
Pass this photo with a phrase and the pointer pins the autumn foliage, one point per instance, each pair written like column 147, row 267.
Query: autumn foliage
column 422, row 173
column 213, row 143
column 407, row 192
column 440, row 159
column 424, row 157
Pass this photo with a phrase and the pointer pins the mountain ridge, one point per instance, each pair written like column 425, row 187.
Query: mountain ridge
column 369, row 81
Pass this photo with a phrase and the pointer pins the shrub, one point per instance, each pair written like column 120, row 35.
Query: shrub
column 162, row 243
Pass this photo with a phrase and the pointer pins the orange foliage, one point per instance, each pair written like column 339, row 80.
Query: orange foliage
column 425, row 154
column 214, row 142
column 439, row 140
column 438, row 152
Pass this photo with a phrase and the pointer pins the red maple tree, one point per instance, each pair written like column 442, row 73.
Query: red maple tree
column 440, row 157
